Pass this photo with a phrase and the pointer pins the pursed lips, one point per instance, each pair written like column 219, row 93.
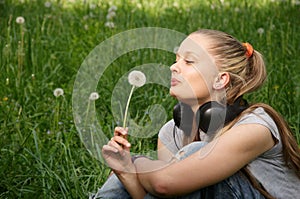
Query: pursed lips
column 174, row 81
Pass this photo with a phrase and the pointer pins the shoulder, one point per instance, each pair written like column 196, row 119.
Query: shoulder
column 171, row 136
column 166, row 129
column 261, row 117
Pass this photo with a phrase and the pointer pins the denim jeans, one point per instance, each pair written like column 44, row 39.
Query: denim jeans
column 236, row 186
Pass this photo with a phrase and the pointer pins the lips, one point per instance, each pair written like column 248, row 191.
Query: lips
column 174, row 82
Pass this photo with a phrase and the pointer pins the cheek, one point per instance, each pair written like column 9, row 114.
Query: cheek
column 200, row 88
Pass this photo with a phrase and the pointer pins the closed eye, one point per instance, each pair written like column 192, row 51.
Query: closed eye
column 189, row 62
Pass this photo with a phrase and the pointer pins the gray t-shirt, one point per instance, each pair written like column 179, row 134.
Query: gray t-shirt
column 269, row 168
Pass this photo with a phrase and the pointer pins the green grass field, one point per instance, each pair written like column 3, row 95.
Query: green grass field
column 41, row 153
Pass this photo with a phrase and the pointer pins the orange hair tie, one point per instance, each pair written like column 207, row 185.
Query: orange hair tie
column 249, row 49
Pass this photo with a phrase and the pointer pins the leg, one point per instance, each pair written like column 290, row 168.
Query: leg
column 112, row 189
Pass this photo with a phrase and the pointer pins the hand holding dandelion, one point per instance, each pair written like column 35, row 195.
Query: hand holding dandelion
column 136, row 79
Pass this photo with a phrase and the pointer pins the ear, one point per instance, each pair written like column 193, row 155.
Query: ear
column 221, row 81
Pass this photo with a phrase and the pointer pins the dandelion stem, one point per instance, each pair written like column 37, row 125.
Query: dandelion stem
column 87, row 113
column 127, row 106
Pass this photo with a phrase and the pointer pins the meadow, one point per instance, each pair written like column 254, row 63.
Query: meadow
column 44, row 43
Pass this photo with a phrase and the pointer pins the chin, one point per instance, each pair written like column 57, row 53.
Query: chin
column 172, row 93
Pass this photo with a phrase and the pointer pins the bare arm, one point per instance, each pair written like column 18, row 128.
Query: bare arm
column 127, row 175
column 117, row 156
column 163, row 153
column 216, row 161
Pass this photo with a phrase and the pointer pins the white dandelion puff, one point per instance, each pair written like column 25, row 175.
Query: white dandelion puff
column 109, row 24
column 58, row 92
column 20, row 20
column 112, row 8
column 110, row 15
column 137, row 78
column 47, row 4
column 94, row 96
column 260, row 31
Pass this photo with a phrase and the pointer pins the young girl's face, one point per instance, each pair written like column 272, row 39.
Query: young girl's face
column 193, row 72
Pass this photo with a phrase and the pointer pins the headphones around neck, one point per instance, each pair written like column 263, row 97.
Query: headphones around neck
column 210, row 117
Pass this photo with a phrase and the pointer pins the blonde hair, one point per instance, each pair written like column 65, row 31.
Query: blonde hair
column 247, row 74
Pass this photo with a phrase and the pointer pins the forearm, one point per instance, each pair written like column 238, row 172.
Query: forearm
column 149, row 173
column 132, row 185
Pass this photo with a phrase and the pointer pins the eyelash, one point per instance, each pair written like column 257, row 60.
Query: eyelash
column 189, row 62
column 186, row 61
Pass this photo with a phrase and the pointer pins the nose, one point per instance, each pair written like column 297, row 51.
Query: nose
column 174, row 67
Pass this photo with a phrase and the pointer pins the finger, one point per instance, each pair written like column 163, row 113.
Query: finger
column 121, row 131
column 108, row 148
column 124, row 142
column 114, row 143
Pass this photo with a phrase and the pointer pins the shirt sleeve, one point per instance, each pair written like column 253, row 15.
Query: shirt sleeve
column 167, row 136
column 259, row 116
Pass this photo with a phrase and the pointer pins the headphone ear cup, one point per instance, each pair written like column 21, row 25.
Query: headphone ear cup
column 183, row 117
column 212, row 116
column 177, row 114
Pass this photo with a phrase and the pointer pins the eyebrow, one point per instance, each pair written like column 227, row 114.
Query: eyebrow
column 188, row 53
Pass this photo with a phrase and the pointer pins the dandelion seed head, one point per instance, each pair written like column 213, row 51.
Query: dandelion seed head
column 137, row 78
column 109, row 24
column 110, row 15
column 47, row 4
column 260, row 31
column 58, row 92
column 112, row 8
column 94, row 96
column 20, row 20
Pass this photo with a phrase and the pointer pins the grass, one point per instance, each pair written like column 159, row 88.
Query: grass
column 41, row 153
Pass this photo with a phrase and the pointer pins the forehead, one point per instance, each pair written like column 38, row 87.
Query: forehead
column 194, row 44
column 195, row 47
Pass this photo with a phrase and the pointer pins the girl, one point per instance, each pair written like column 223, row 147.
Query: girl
column 210, row 150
